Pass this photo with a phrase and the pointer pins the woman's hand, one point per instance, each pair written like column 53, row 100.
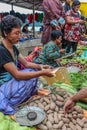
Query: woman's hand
column 81, row 21
column 68, row 105
column 48, row 72
column 62, row 51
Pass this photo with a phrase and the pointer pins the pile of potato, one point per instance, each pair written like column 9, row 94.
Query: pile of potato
column 55, row 117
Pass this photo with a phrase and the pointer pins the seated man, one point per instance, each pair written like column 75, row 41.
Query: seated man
column 51, row 50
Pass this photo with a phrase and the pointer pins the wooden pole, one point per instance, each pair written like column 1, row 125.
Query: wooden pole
column 34, row 18
column 12, row 6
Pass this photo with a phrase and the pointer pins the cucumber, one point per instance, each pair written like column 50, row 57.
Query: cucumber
column 82, row 105
column 66, row 87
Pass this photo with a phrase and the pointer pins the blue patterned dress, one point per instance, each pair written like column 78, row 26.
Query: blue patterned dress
column 12, row 91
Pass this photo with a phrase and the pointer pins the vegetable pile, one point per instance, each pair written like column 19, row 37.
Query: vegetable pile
column 79, row 80
column 55, row 117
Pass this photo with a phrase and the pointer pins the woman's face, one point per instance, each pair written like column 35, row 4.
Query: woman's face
column 76, row 8
column 58, row 40
column 14, row 36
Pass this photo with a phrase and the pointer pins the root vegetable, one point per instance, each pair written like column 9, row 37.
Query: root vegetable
column 56, row 109
column 53, row 97
column 64, row 127
column 52, row 106
column 50, row 118
column 78, row 127
column 44, row 104
column 55, row 126
column 41, row 106
column 60, row 104
column 49, row 111
column 78, row 109
column 47, row 107
column 79, row 122
column 49, row 125
column 59, row 98
column 56, row 118
column 42, row 127
column 46, row 100
column 65, row 120
column 72, row 126
column 60, row 124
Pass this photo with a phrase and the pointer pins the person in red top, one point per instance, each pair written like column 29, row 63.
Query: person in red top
column 72, row 27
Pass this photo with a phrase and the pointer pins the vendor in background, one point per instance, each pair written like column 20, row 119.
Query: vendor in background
column 72, row 32
column 53, row 10
column 67, row 5
column 71, row 102
column 15, row 85
column 51, row 51
column 41, row 29
column 25, row 31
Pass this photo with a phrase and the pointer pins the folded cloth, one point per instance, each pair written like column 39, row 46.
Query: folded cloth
column 54, row 22
column 61, row 21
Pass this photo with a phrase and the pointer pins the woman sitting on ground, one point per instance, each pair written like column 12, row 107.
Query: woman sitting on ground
column 15, row 86
column 51, row 50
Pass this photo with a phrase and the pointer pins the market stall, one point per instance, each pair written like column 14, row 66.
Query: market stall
column 49, row 104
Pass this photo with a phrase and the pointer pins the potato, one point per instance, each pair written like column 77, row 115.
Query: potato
column 56, row 108
column 53, row 97
column 42, row 127
column 44, row 104
column 50, row 118
column 73, row 121
column 59, row 98
column 60, row 104
column 41, row 105
column 49, row 125
column 59, row 117
column 84, row 129
column 56, row 118
column 65, row 120
column 55, row 126
column 80, row 116
column 52, row 106
column 46, row 100
column 84, row 120
column 47, row 107
column 78, row 127
column 79, row 122
column 72, row 126
column 41, row 100
column 74, row 116
column 78, row 109
column 49, row 111
column 64, row 127
column 44, row 122
column 60, row 124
